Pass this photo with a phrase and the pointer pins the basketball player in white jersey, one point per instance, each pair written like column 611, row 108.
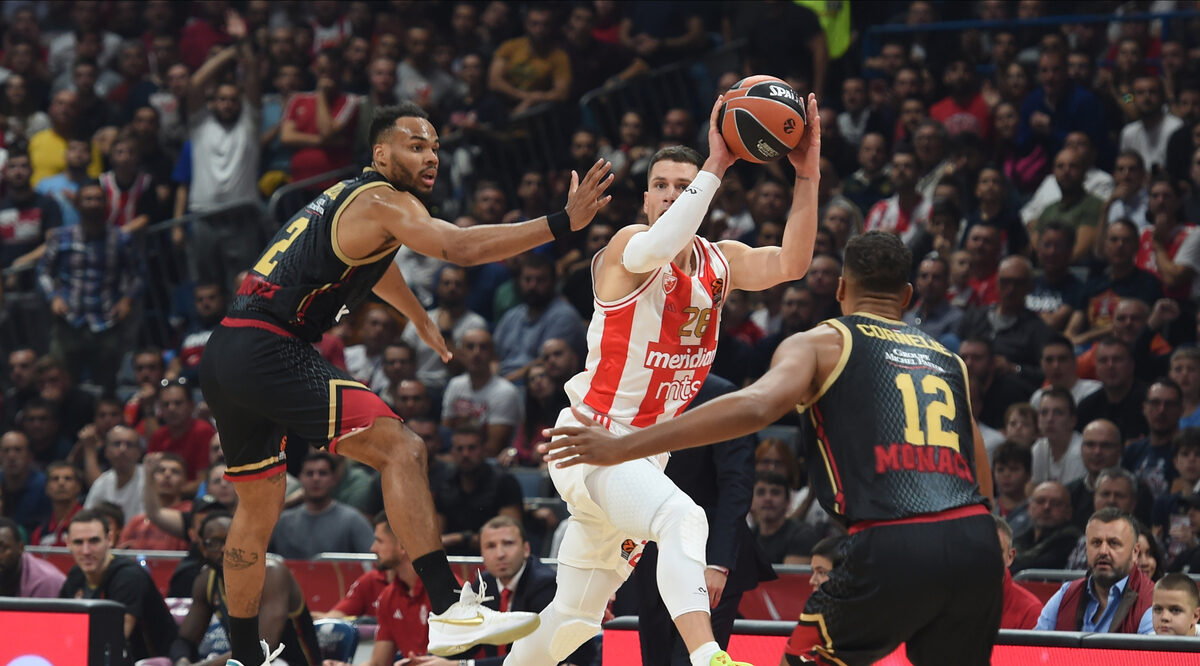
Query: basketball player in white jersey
column 659, row 291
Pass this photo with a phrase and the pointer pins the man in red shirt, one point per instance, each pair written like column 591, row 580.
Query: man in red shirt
column 985, row 247
column 181, row 433
column 963, row 110
column 1021, row 607
column 401, row 605
column 63, row 486
column 164, row 477
column 320, row 125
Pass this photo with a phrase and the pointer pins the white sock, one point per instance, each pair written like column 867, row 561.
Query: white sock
column 704, row 654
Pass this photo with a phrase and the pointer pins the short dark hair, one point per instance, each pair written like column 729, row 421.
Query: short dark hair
column 538, row 262
column 979, row 340
column 1180, row 582
column 878, row 261
column 1059, row 340
column 175, row 458
column 772, row 479
column 470, row 430
column 828, row 548
column 88, row 516
column 1112, row 514
column 10, row 524
column 1010, row 452
column 215, row 515
column 1169, row 383
column 1186, row 440
column 380, row 519
column 1061, row 394
column 384, row 120
column 62, row 464
column 676, row 154
column 111, row 511
column 318, row 454
column 504, row 521
column 1113, row 341
column 1061, row 228
column 91, row 182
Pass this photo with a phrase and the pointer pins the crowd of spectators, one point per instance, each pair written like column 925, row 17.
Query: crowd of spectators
column 1046, row 177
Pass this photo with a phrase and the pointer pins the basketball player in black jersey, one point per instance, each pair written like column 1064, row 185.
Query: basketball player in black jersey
column 894, row 455
column 264, row 381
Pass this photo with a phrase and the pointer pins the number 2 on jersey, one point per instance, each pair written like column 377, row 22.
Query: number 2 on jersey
column 933, row 434
column 267, row 263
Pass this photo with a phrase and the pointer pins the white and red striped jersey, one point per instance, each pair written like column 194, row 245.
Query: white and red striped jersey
column 649, row 352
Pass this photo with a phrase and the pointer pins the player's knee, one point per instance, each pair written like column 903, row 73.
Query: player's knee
column 681, row 518
column 386, row 443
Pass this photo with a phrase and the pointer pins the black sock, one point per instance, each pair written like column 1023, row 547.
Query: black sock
column 243, row 640
column 438, row 579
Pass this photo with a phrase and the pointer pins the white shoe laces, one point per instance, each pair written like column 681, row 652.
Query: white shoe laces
column 270, row 656
column 481, row 595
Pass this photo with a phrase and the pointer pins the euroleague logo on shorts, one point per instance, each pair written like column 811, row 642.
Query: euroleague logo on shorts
column 718, row 288
column 628, row 547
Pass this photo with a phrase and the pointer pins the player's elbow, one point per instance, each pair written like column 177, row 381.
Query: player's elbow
column 642, row 255
column 794, row 265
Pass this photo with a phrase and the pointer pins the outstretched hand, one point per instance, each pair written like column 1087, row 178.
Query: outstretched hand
column 586, row 198
column 806, row 156
column 588, row 444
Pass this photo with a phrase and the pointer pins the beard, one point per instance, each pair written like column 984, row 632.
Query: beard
column 537, row 300
column 1114, row 574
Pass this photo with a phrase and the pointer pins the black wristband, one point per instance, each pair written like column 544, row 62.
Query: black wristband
column 560, row 224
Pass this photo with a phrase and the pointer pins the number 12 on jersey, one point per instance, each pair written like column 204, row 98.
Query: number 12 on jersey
column 933, row 434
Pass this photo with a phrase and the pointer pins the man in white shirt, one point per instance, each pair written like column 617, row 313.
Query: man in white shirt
column 1058, row 365
column 453, row 319
column 480, row 397
column 225, row 157
column 1058, row 453
column 1148, row 135
column 122, row 484
column 1095, row 181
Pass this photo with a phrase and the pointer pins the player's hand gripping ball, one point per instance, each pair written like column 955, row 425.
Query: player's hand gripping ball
column 762, row 119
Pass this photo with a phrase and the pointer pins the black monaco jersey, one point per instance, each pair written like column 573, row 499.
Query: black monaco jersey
column 889, row 435
column 303, row 280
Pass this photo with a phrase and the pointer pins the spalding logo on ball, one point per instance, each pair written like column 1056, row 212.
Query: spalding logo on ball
column 762, row 119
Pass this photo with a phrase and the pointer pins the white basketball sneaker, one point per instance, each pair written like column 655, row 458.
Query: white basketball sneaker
column 267, row 655
column 469, row 623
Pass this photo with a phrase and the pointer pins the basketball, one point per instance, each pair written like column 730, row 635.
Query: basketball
column 761, row 119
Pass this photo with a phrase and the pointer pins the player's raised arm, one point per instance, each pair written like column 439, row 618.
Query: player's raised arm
column 788, row 383
column 755, row 269
column 656, row 246
column 404, row 218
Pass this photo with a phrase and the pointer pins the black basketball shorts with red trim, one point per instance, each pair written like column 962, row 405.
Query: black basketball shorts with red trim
column 262, row 383
column 937, row 587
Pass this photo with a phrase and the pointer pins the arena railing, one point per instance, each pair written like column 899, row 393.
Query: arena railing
column 875, row 34
column 286, row 200
column 1050, row 575
column 26, row 316
column 659, row 90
